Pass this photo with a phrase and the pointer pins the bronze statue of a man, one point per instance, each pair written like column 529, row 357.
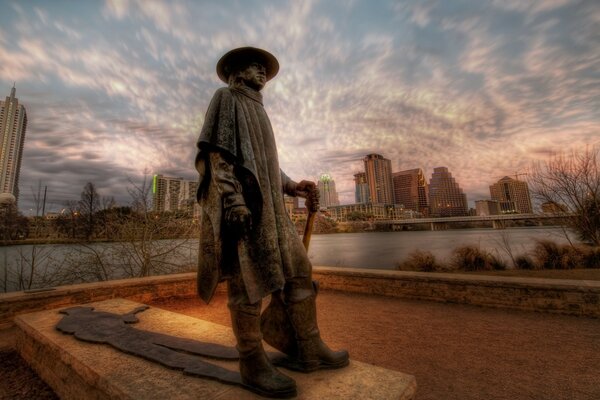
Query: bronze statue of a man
column 247, row 237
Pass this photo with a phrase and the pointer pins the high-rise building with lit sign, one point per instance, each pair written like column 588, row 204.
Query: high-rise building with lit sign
column 173, row 194
column 328, row 197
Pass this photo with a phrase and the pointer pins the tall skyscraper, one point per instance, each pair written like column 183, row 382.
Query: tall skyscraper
column 13, row 124
column 446, row 198
column 327, row 193
column 173, row 194
column 411, row 190
column 512, row 196
column 379, row 179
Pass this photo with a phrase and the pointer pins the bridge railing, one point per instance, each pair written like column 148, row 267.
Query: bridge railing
column 479, row 218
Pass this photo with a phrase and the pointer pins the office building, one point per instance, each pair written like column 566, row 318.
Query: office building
column 379, row 179
column 484, row 208
column 512, row 196
column 411, row 190
column 174, row 194
column 327, row 195
column 13, row 124
column 361, row 193
column 446, row 198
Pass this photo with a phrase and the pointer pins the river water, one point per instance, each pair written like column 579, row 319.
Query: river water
column 375, row 250
column 384, row 250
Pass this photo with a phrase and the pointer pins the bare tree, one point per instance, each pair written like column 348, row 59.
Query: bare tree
column 13, row 225
column 152, row 243
column 68, row 222
column 88, row 207
column 570, row 185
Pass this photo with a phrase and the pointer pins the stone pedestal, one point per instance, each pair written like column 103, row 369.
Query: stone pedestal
column 80, row 370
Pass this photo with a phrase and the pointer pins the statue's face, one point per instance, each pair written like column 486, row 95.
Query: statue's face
column 255, row 76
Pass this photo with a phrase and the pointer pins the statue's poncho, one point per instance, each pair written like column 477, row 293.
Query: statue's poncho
column 237, row 126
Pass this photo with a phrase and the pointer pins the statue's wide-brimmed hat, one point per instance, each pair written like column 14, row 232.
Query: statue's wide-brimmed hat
column 244, row 56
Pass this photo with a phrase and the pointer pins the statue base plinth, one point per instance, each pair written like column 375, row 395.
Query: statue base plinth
column 81, row 370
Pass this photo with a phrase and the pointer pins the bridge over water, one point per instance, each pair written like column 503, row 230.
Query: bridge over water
column 441, row 223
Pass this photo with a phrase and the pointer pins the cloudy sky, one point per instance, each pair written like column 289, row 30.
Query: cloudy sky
column 485, row 88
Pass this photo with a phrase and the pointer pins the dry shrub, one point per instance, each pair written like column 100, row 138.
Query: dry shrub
column 472, row 258
column 591, row 258
column 420, row 260
column 549, row 255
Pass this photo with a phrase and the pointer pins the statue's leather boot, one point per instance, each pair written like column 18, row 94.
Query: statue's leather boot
column 255, row 367
column 312, row 352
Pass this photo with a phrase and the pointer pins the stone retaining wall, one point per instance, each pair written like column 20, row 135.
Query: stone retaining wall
column 137, row 289
column 573, row 297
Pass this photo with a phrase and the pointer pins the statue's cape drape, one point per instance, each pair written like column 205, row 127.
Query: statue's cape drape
column 237, row 125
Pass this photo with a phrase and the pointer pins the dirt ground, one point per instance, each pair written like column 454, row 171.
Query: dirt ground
column 18, row 381
column 455, row 351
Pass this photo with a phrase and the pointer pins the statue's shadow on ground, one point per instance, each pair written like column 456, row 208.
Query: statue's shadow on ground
column 171, row 351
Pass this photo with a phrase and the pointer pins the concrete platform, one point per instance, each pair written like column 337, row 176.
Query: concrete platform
column 79, row 370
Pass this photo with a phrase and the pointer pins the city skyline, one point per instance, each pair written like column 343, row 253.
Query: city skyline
column 118, row 87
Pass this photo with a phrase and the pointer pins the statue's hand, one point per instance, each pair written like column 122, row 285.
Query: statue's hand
column 239, row 220
column 305, row 189
column 308, row 190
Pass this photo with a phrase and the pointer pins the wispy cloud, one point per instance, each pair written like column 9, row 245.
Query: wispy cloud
column 483, row 88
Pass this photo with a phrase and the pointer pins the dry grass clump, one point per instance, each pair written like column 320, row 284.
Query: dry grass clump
column 545, row 255
column 525, row 262
column 419, row 260
column 472, row 258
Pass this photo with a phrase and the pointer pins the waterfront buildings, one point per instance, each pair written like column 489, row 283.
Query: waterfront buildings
column 174, row 194
column 550, row 207
column 361, row 193
column 292, row 205
column 411, row 190
column 446, row 198
column 512, row 196
column 378, row 170
column 367, row 211
column 327, row 194
column 13, row 124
